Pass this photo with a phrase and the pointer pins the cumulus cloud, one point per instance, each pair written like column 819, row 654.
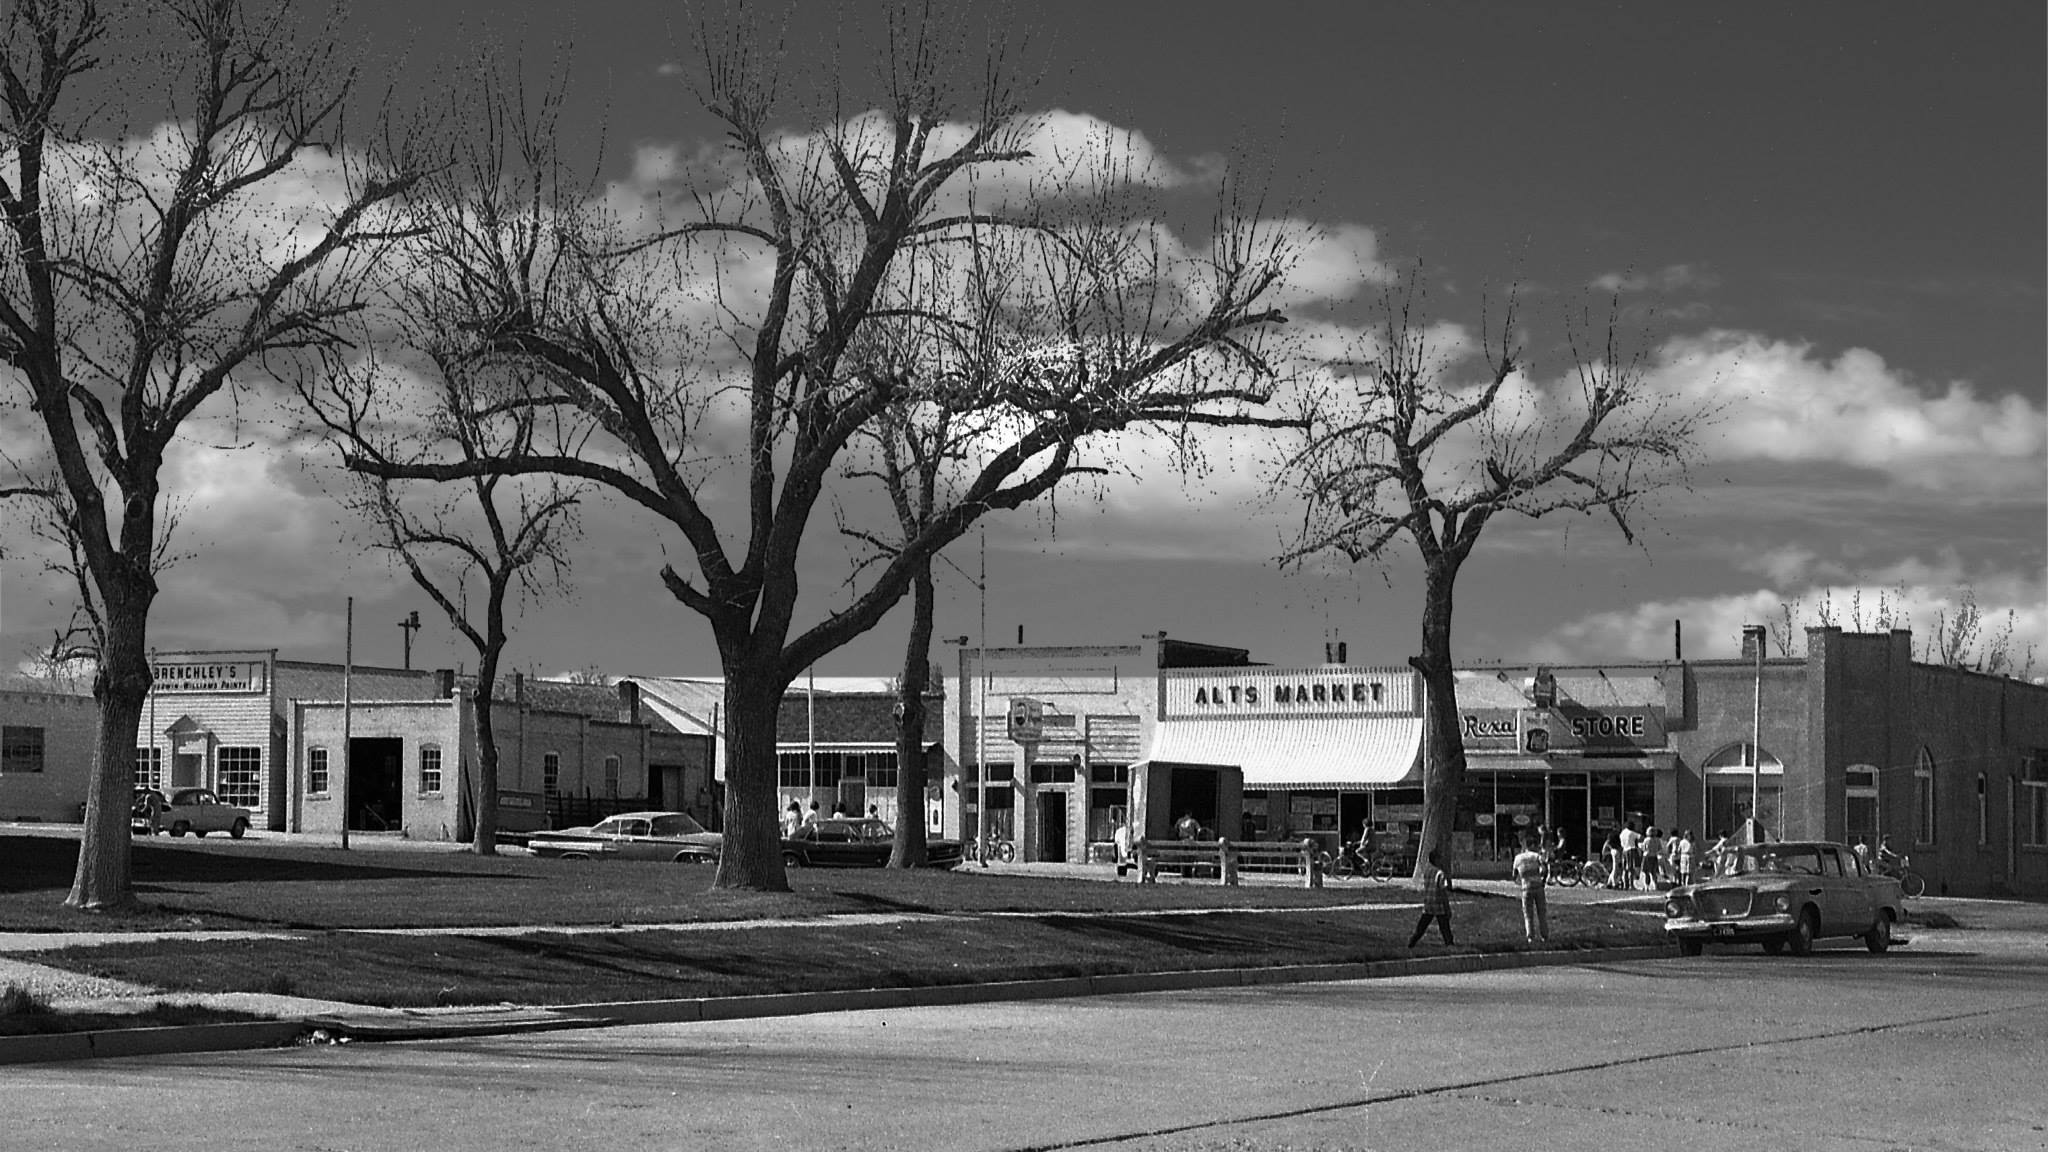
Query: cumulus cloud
column 1671, row 278
column 1787, row 403
column 1924, row 595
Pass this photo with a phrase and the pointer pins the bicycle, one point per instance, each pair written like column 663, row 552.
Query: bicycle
column 1001, row 851
column 1566, row 871
column 1591, row 873
column 1911, row 883
column 1347, row 862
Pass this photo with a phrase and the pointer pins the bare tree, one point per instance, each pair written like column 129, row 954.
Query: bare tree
column 504, row 536
column 143, row 276
column 724, row 335
column 1398, row 449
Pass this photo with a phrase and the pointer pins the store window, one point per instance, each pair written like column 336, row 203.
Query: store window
column 611, row 777
column 881, row 769
column 1923, row 799
column 21, row 749
column 1739, row 777
column 430, row 768
column 793, row 769
column 149, row 767
column 240, row 779
column 316, row 771
column 551, row 774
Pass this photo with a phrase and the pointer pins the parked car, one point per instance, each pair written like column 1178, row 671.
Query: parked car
column 194, row 810
column 1782, row 896
column 857, row 842
column 664, row 836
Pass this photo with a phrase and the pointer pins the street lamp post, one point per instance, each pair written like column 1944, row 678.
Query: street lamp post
column 1753, row 638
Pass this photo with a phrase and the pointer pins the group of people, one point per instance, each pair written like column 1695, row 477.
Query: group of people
column 1653, row 858
column 795, row 818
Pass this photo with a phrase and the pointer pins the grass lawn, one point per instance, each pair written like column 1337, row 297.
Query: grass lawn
column 24, row 1015
column 250, row 884
column 1058, row 927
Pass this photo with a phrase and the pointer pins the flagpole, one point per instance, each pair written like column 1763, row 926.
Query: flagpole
column 348, row 673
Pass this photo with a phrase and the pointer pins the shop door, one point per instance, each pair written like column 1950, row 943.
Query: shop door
column 187, row 768
column 853, row 797
column 376, row 777
column 1052, row 826
column 1570, row 813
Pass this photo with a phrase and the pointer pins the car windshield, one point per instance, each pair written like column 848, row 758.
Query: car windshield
column 1770, row 858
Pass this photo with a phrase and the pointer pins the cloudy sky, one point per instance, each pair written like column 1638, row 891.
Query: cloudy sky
column 1827, row 217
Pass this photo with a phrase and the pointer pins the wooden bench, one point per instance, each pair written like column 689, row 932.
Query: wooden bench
column 1226, row 857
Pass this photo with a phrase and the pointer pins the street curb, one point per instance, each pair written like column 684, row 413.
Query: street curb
column 695, row 1010
column 62, row 1046
column 277, row 1033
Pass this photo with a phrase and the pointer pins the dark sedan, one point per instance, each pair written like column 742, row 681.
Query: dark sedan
column 633, row 836
column 856, row 843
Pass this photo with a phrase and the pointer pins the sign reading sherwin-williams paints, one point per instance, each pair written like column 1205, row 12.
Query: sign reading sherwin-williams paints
column 177, row 675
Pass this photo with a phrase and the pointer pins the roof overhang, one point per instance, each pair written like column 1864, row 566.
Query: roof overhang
column 1297, row 752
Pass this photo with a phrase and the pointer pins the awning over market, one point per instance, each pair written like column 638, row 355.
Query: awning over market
column 1298, row 753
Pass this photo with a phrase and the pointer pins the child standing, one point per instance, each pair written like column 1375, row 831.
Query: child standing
column 1436, row 899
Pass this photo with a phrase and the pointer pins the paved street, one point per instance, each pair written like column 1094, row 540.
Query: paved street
column 1943, row 1044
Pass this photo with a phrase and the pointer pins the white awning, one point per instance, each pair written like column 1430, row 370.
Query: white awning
column 1298, row 752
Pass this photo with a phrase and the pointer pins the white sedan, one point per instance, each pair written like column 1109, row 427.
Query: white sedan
column 666, row 836
column 199, row 811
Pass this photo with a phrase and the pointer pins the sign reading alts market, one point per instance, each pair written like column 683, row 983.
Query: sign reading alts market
column 1278, row 691
column 174, row 676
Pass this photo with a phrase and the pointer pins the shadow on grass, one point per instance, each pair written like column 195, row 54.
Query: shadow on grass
column 47, row 863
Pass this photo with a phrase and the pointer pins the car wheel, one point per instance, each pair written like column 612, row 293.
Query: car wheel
column 180, row 828
column 1691, row 945
column 1801, row 940
column 575, row 855
column 199, row 832
column 792, row 860
column 1773, row 947
column 241, row 827
column 1879, row 938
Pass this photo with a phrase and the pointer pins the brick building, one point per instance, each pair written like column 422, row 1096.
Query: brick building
column 48, row 745
column 1852, row 739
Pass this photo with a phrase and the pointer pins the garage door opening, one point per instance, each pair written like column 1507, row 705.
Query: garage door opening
column 376, row 773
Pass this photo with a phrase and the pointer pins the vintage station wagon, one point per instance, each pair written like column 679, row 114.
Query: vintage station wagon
column 1785, row 895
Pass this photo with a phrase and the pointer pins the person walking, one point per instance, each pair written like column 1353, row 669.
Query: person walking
column 1610, row 855
column 1681, row 856
column 1631, row 854
column 792, row 820
column 1527, row 868
column 1436, row 899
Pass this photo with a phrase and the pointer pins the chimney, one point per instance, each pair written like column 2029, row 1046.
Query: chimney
column 1752, row 641
column 629, row 702
column 1678, row 641
column 444, row 683
column 519, row 689
column 1335, row 652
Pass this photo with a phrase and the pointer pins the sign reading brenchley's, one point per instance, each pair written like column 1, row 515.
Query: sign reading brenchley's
column 189, row 676
column 1569, row 727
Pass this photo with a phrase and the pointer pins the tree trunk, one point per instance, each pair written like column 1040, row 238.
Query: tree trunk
column 752, row 855
column 909, row 849
column 101, row 883
column 1443, row 767
column 484, row 842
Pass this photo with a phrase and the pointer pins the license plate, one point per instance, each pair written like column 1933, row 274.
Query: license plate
column 1724, row 929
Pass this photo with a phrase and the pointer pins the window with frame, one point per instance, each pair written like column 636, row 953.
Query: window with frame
column 240, row 777
column 551, row 774
column 317, row 779
column 430, row 768
column 792, row 770
column 611, row 777
column 1923, row 799
column 1983, row 814
column 21, row 749
column 882, row 772
column 2034, row 790
column 149, row 767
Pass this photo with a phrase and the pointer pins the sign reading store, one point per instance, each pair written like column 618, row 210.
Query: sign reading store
column 1287, row 692
column 1569, row 727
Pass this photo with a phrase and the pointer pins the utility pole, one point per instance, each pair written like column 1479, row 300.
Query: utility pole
column 409, row 625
